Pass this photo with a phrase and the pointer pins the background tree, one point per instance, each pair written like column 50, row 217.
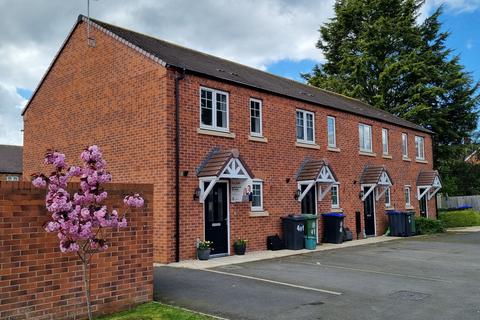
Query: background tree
column 80, row 221
column 377, row 51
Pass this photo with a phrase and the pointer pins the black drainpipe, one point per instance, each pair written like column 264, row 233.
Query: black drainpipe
column 178, row 77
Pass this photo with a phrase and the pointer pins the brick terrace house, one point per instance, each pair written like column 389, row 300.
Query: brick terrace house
column 229, row 149
column 11, row 162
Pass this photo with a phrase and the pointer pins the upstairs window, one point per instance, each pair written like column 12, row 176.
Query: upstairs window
column 335, row 196
column 256, row 117
column 420, row 148
column 257, row 196
column 213, row 109
column 385, row 141
column 365, row 136
column 305, row 126
column 332, row 136
column 13, row 178
column 405, row 145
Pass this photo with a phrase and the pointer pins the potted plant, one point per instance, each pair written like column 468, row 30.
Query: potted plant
column 239, row 246
column 203, row 249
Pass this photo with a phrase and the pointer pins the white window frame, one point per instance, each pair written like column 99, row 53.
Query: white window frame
column 389, row 203
column 361, row 132
column 417, row 149
column 214, row 110
column 334, row 144
column 385, row 146
column 13, row 178
column 404, row 145
column 304, row 115
column 409, row 189
column 260, row 183
column 256, row 134
column 335, row 187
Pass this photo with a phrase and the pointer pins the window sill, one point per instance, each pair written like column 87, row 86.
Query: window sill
column 421, row 161
column 406, row 159
column 337, row 210
column 333, row 149
column 263, row 213
column 387, row 156
column 230, row 135
column 368, row 154
column 389, row 208
column 307, row 145
column 257, row 139
column 409, row 207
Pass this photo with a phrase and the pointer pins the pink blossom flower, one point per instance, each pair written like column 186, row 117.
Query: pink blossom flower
column 134, row 201
column 39, row 182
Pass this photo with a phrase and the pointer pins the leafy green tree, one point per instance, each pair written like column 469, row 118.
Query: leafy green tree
column 376, row 51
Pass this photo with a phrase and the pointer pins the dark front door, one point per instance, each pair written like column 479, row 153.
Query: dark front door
column 423, row 203
column 216, row 218
column 369, row 213
column 309, row 201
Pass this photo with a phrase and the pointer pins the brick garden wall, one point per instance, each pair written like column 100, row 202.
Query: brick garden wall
column 37, row 281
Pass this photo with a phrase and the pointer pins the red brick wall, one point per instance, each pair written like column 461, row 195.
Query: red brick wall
column 37, row 281
column 280, row 158
column 116, row 98
column 113, row 96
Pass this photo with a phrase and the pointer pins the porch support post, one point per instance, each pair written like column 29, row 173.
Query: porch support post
column 205, row 193
column 380, row 194
column 370, row 190
column 323, row 193
column 304, row 193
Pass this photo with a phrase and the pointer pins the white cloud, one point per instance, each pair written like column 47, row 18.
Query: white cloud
column 252, row 32
column 453, row 6
column 11, row 105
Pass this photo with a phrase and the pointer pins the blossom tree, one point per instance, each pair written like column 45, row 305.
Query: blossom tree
column 81, row 220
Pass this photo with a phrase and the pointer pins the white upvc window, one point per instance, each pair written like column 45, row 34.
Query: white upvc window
column 214, row 109
column 335, row 197
column 365, row 137
column 419, row 148
column 405, row 145
column 385, row 141
column 388, row 199
column 256, row 117
column 407, row 192
column 13, row 178
column 305, row 126
column 257, row 195
column 331, row 132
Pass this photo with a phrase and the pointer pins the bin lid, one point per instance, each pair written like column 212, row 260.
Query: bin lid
column 333, row 214
column 294, row 217
column 309, row 216
column 393, row 212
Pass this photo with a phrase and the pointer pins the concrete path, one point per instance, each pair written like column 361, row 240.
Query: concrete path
column 265, row 255
column 428, row 277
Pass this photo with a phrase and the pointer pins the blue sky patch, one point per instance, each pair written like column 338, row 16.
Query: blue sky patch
column 25, row 93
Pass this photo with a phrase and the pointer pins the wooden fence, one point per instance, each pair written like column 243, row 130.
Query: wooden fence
column 445, row 202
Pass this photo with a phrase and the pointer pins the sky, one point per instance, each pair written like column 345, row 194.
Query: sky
column 278, row 36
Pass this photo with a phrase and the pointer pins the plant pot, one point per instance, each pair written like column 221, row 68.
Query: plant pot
column 240, row 249
column 203, row 254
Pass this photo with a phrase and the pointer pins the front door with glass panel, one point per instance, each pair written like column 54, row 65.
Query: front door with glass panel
column 216, row 218
column 309, row 202
column 369, row 213
column 423, row 203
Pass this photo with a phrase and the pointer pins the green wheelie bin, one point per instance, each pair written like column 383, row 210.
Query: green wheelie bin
column 310, row 231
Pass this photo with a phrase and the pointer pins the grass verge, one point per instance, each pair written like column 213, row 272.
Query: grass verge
column 460, row 218
column 155, row 311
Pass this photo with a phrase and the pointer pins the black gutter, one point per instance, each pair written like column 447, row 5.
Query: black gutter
column 178, row 77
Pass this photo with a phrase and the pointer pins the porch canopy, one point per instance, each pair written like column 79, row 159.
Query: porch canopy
column 227, row 164
column 316, row 171
column 429, row 181
column 375, row 177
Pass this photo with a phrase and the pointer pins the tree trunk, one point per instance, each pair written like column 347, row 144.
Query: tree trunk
column 86, row 283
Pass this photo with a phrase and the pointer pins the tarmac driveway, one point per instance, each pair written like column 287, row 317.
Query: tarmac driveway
column 433, row 277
